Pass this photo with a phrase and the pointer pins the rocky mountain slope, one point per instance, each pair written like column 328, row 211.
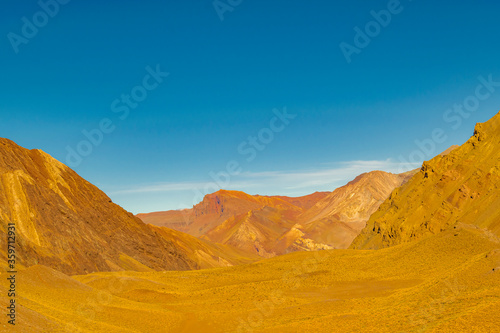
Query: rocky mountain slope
column 461, row 187
column 66, row 223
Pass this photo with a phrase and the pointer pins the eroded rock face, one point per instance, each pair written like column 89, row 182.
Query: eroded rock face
column 463, row 186
column 218, row 207
column 275, row 225
column 68, row 224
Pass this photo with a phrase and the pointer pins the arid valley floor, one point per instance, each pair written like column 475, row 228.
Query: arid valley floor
column 443, row 283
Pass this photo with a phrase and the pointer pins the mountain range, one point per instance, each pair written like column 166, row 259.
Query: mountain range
column 418, row 251
column 275, row 225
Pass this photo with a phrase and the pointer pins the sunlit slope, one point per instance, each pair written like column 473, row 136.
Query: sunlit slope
column 254, row 232
column 215, row 208
column 265, row 232
column 339, row 217
column 357, row 200
column 66, row 223
column 443, row 283
column 463, row 186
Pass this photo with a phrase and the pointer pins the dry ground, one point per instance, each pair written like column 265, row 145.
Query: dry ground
column 449, row 282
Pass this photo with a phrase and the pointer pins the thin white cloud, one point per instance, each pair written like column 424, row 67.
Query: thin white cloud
column 322, row 178
column 279, row 182
column 160, row 187
column 171, row 187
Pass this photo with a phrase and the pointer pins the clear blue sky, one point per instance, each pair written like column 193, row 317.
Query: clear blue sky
column 226, row 78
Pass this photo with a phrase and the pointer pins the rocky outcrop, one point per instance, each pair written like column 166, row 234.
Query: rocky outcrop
column 462, row 186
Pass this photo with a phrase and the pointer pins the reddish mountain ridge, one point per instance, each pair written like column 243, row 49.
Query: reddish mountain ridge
column 274, row 225
column 222, row 205
column 66, row 223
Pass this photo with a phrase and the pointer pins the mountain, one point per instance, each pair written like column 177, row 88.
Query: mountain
column 460, row 187
column 220, row 206
column 66, row 223
column 357, row 200
column 339, row 217
column 273, row 225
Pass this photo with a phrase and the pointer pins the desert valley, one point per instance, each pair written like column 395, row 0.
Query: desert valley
column 411, row 252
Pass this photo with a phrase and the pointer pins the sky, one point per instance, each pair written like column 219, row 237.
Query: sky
column 160, row 102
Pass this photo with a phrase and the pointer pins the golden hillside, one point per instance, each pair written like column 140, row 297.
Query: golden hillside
column 68, row 224
column 463, row 186
column 449, row 282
